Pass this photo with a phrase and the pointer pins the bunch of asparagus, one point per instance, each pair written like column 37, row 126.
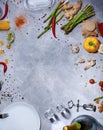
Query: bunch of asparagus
column 85, row 13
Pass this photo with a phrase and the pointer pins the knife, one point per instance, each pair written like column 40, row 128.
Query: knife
column 4, row 115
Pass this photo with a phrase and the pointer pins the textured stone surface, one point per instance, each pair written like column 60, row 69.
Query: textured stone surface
column 44, row 72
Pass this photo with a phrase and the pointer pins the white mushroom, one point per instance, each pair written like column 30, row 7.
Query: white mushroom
column 100, row 50
column 75, row 49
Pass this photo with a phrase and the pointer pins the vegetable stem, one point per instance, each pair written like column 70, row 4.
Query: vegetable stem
column 58, row 12
column 98, row 98
column 47, row 18
column 53, row 14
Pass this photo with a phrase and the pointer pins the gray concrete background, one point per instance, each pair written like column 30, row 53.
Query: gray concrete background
column 43, row 72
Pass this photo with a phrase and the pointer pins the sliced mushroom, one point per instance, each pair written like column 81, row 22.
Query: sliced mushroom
column 90, row 28
column 90, row 64
column 81, row 61
column 90, row 25
column 100, row 50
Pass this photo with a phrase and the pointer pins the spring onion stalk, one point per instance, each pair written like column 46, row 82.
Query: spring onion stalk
column 53, row 13
column 98, row 98
column 58, row 12
column 46, row 29
column 58, row 8
column 86, row 12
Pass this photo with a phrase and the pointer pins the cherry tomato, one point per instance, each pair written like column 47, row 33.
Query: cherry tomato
column 91, row 81
column 101, row 83
column 101, row 88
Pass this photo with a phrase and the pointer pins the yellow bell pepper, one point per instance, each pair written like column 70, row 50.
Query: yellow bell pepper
column 91, row 44
column 5, row 25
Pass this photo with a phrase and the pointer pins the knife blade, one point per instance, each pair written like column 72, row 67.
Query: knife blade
column 4, row 115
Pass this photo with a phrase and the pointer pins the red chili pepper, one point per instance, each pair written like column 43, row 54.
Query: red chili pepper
column 53, row 26
column 101, row 28
column 5, row 66
column 6, row 11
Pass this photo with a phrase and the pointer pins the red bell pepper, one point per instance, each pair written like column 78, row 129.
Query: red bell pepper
column 101, row 28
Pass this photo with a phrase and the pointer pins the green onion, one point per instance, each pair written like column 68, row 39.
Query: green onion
column 47, row 28
column 53, row 14
column 98, row 98
column 58, row 12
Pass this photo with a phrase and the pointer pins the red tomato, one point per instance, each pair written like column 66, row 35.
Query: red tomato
column 92, row 81
column 101, row 88
column 101, row 83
